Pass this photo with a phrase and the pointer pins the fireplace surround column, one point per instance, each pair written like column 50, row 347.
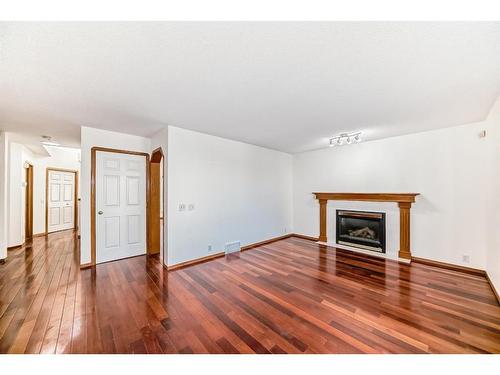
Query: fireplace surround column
column 404, row 230
column 322, row 220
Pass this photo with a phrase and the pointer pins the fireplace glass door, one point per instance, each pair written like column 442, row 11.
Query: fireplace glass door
column 365, row 230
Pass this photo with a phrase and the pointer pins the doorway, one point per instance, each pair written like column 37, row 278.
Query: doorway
column 156, row 213
column 28, row 210
column 61, row 193
column 119, row 204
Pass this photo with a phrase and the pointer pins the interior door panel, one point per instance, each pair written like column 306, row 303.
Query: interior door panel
column 120, row 206
column 61, row 200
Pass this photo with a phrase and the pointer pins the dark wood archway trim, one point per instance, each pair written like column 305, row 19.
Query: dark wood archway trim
column 154, row 229
column 28, row 225
column 157, row 155
column 92, row 197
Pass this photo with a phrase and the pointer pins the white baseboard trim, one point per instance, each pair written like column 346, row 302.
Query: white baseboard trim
column 366, row 252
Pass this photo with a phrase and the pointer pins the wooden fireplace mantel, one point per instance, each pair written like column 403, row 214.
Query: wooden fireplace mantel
column 404, row 201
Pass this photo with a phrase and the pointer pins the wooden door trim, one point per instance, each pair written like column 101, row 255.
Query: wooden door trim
column 28, row 214
column 93, row 152
column 157, row 155
column 75, row 220
column 154, row 229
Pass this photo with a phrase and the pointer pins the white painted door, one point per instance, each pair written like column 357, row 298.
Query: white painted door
column 61, row 201
column 120, row 206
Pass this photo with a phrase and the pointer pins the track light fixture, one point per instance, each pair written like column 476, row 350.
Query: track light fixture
column 345, row 138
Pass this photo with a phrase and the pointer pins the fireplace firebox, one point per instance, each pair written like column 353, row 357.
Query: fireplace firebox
column 365, row 230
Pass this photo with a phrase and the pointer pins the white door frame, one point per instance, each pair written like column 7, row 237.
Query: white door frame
column 93, row 199
column 75, row 226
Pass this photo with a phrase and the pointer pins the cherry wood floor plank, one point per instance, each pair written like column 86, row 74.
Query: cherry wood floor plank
column 289, row 296
column 29, row 304
column 64, row 338
column 42, row 321
column 53, row 329
column 79, row 329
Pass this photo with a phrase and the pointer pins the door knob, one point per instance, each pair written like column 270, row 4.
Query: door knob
column 100, row 212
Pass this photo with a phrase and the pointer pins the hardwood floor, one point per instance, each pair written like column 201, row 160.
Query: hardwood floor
column 290, row 296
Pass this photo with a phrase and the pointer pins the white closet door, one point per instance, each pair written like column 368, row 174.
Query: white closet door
column 120, row 206
column 60, row 201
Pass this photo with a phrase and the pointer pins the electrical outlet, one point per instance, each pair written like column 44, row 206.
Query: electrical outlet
column 209, row 248
column 466, row 258
column 191, row 206
column 182, row 207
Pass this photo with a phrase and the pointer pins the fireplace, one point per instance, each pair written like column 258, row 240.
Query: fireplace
column 365, row 230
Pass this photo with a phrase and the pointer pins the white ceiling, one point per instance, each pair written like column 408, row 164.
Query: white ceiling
column 286, row 86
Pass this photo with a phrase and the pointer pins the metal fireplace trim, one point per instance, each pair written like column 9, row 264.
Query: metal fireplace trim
column 366, row 215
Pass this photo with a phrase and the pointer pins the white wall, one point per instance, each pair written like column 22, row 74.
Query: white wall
column 15, row 210
column 240, row 192
column 91, row 137
column 4, row 152
column 493, row 209
column 448, row 167
column 65, row 158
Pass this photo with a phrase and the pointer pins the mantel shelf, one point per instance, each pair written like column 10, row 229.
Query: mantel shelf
column 373, row 197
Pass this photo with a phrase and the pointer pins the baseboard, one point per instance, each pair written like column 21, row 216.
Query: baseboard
column 449, row 266
column 265, row 242
column 85, row 265
column 428, row 262
column 304, row 237
column 195, row 261
column 434, row 263
column 243, row 248
column 493, row 288
column 26, row 241
column 62, row 230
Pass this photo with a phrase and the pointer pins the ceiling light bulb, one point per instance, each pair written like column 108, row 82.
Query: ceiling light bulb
column 357, row 138
column 349, row 140
column 50, row 143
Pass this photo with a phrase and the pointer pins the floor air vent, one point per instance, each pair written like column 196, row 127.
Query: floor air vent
column 232, row 247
